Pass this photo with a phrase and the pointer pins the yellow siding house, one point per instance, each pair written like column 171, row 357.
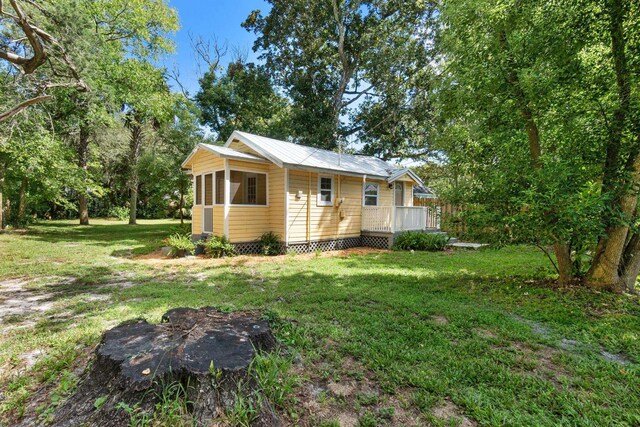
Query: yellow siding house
column 312, row 198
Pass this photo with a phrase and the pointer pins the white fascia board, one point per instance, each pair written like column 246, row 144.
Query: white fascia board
column 190, row 156
column 411, row 174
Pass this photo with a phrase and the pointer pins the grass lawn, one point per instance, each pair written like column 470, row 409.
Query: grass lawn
column 382, row 338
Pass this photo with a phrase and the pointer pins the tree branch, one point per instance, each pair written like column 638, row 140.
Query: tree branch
column 22, row 106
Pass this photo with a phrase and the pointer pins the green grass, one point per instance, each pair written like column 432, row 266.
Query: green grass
column 409, row 332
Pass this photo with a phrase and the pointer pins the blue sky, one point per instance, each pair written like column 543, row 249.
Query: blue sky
column 207, row 18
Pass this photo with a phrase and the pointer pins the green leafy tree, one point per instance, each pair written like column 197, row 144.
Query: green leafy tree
column 38, row 168
column 147, row 104
column 243, row 98
column 331, row 55
column 539, row 105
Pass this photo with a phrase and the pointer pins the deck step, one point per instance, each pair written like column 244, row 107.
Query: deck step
column 466, row 245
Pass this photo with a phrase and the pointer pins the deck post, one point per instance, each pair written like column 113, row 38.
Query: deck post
column 286, row 206
column 393, row 215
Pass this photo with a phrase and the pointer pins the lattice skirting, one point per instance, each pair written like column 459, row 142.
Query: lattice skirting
column 252, row 248
column 380, row 242
column 325, row 245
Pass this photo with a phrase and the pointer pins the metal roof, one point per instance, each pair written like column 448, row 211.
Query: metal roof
column 299, row 156
column 224, row 152
column 423, row 192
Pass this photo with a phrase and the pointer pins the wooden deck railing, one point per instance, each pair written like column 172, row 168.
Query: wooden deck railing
column 377, row 218
column 389, row 219
column 410, row 218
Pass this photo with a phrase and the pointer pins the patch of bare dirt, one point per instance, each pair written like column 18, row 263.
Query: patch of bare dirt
column 18, row 301
column 156, row 258
column 440, row 320
column 450, row 412
column 543, row 358
column 485, row 333
column 352, row 392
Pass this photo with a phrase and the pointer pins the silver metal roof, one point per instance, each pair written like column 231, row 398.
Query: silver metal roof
column 230, row 153
column 299, row 156
column 224, row 152
column 423, row 192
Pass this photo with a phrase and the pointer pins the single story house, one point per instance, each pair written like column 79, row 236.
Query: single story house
column 312, row 198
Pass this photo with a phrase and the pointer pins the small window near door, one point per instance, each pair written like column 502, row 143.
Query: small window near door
column 399, row 194
column 371, row 194
column 198, row 190
column 325, row 191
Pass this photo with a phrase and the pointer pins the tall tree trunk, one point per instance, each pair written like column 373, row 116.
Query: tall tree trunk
column 22, row 201
column 135, row 144
column 181, row 204
column 533, row 134
column 83, row 161
column 607, row 263
column 565, row 265
column 561, row 250
column 348, row 65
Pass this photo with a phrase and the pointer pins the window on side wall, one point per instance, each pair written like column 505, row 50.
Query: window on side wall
column 371, row 194
column 325, row 191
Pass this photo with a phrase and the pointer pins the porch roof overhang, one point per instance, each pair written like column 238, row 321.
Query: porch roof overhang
column 399, row 173
column 223, row 152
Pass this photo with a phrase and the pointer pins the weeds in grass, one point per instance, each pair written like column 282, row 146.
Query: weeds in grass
column 377, row 308
column 271, row 370
column 172, row 408
column 245, row 408
column 137, row 417
column 66, row 385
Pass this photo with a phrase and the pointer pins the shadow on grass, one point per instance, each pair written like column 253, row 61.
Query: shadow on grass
column 141, row 238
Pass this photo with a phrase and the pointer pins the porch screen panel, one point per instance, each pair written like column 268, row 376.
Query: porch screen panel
column 198, row 179
column 248, row 188
column 220, row 188
column 208, row 189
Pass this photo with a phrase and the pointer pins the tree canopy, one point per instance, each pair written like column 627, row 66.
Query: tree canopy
column 526, row 112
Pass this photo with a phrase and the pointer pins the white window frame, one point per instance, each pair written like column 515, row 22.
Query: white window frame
column 364, row 193
column 320, row 202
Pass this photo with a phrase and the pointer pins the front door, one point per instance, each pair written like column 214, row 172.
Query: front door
column 399, row 193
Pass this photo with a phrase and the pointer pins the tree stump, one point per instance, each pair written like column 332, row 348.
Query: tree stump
column 206, row 351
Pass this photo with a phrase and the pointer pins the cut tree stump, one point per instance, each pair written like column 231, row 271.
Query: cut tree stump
column 205, row 350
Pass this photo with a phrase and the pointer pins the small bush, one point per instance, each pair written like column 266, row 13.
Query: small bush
column 419, row 241
column 180, row 245
column 181, row 229
column 218, row 247
column 121, row 213
column 270, row 243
